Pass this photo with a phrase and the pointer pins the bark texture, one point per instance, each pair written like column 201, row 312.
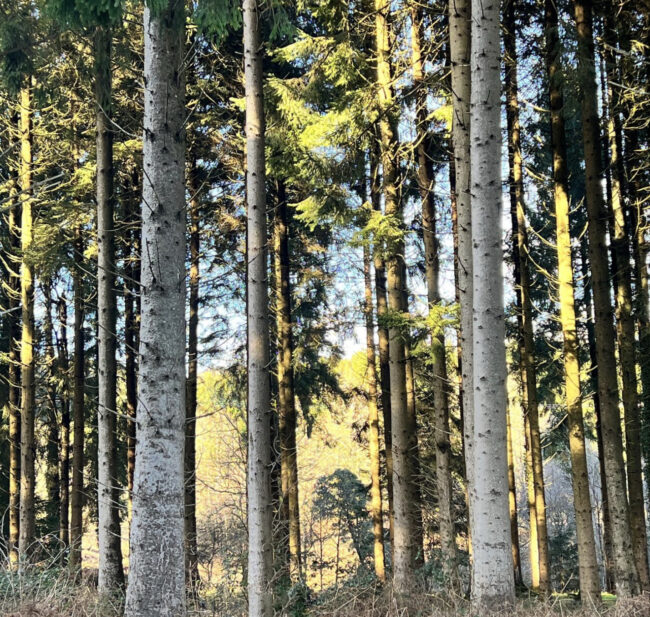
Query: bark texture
column 111, row 574
column 27, row 411
column 260, row 511
column 405, row 550
column 157, row 561
column 191, row 554
column 459, row 50
column 373, row 424
column 14, row 293
column 493, row 581
column 524, row 304
column 287, row 419
column 589, row 578
column 78, row 411
column 627, row 578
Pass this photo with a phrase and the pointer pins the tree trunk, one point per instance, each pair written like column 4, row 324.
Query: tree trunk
column 625, row 327
column 260, row 511
column 131, row 331
column 373, row 424
column 52, row 480
column 514, row 518
column 589, row 581
column 191, row 556
column 157, row 562
column 593, row 374
column 627, row 579
column 111, row 574
column 640, row 245
column 27, row 442
column 382, row 339
column 64, row 450
column 14, row 294
column 493, row 581
column 432, row 271
column 77, row 491
column 459, row 50
column 405, row 549
column 286, row 392
column 522, row 285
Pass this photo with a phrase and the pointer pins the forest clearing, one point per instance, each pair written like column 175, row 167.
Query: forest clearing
column 324, row 308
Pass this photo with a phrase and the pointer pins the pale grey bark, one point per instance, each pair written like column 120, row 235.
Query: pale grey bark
column 260, row 512
column 459, row 47
column 157, row 561
column 493, row 580
column 111, row 574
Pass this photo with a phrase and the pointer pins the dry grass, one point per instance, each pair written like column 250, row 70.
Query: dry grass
column 58, row 594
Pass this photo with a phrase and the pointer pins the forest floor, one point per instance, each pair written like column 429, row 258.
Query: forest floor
column 55, row 594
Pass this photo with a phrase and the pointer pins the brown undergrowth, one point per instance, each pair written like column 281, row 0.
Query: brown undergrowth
column 59, row 594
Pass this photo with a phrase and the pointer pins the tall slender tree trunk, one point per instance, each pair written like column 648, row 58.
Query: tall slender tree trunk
column 522, row 284
column 157, row 562
column 459, row 51
column 191, row 555
column 27, row 411
column 260, row 511
column 406, row 548
column 639, row 224
column 131, row 331
column 111, row 574
column 373, row 423
column 52, row 479
column 64, row 449
column 533, row 541
column 514, row 517
column 493, row 582
column 14, row 216
column 287, row 420
column 78, row 407
column 591, row 339
column 627, row 578
column 625, row 326
column 432, row 272
column 589, row 580
column 382, row 347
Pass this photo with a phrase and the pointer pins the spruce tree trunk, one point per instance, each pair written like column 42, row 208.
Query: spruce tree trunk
column 639, row 225
column 589, row 579
column 406, row 547
column 432, row 272
column 459, row 50
column 157, row 561
column 64, row 450
column 27, row 408
column 131, row 332
column 591, row 339
column 627, row 578
column 14, row 216
column 287, row 421
column 52, row 480
column 111, row 574
column 260, row 511
column 493, row 581
column 533, row 544
column 514, row 518
column 625, row 327
column 382, row 347
column 78, row 407
column 191, row 556
column 373, row 424
column 522, row 285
